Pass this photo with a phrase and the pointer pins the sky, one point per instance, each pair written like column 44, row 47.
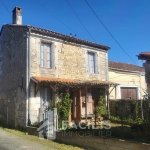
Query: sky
column 128, row 21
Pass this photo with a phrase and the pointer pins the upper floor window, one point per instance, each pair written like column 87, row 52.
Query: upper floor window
column 46, row 55
column 92, row 62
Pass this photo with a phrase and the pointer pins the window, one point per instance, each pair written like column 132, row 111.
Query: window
column 92, row 62
column 46, row 55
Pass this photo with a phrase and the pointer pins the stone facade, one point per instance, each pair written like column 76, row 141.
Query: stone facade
column 18, row 45
column 13, row 76
column 70, row 62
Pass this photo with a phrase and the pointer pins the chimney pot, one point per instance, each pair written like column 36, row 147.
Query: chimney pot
column 17, row 16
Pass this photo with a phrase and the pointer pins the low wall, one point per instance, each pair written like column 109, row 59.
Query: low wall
column 99, row 142
column 32, row 130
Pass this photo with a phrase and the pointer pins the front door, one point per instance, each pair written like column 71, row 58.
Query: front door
column 76, row 115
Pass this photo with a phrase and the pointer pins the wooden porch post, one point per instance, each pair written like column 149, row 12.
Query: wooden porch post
column 107, row 93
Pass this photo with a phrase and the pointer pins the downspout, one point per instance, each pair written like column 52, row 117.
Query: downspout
column 107, row 67
column 28, row 78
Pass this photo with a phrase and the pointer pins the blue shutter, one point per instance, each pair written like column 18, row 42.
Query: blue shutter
column 48, row 56
column 96, row 62
column 42, row 56
column 91, row 62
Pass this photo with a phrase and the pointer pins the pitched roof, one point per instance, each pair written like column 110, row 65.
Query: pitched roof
column 61, row 36
column 125, row 66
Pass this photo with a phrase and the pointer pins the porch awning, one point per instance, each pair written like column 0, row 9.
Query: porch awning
column 71, row 82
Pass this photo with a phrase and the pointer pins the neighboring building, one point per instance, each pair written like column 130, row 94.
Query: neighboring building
column 38, row 64
column 146, row 56
column 131, row 80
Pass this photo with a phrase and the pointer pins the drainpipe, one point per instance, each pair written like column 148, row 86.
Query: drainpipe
column 107, row 69
column 28, row 77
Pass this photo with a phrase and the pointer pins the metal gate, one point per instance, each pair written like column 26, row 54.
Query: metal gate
column 50, row 124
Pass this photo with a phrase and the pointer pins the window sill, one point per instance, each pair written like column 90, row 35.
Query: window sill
column 47, row 68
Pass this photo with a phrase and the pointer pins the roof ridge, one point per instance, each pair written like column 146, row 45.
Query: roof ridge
column 61, row 36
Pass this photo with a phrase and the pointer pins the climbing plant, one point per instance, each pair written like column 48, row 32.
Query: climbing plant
column 63, row 108
column 101, row 106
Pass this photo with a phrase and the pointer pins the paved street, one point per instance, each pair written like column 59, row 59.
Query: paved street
column 10, row 141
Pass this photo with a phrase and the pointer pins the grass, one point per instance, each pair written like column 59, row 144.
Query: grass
column 44, row 142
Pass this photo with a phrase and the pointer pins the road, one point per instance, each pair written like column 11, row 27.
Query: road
column 10, row 141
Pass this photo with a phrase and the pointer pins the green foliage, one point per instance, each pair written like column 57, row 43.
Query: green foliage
column 63, row 108
column 35, row 124
column 51, row 105
column 127, row 120
column 101, row 106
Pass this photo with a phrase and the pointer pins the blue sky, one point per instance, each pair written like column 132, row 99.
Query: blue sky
column 128, row 21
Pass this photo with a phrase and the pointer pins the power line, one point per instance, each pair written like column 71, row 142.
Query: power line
column 80, row 20
column 54, row 16
column 109, row 32
column 6, row 8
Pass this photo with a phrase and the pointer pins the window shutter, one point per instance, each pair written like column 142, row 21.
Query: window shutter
column 42, row 56
column 48, row 56
column 88, row 62
column 91, row 62
column 52, row 57
column 96, row 63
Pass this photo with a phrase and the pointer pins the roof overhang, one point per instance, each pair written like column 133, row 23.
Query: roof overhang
column 71, row 82
column 144, row 56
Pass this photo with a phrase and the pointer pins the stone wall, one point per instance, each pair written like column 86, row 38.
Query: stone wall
column 13, row 76
column 100, row 142
column 70, row 60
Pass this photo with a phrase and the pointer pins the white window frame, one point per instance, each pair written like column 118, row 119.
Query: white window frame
column 95, row 65
column 46, row 55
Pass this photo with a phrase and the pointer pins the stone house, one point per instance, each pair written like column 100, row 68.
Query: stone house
column 37, row 64
column 146, row 56
column 130, row 79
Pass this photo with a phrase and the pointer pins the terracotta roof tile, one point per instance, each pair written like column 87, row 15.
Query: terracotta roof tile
column 125, row 66
column 47, row 79
column 71, row 81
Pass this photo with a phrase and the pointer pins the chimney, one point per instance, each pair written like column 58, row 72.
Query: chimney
column 17, row 15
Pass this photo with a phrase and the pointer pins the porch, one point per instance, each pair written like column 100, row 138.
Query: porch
column 84, row 95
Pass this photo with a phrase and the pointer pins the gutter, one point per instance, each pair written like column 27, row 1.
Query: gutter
column 110, row 68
